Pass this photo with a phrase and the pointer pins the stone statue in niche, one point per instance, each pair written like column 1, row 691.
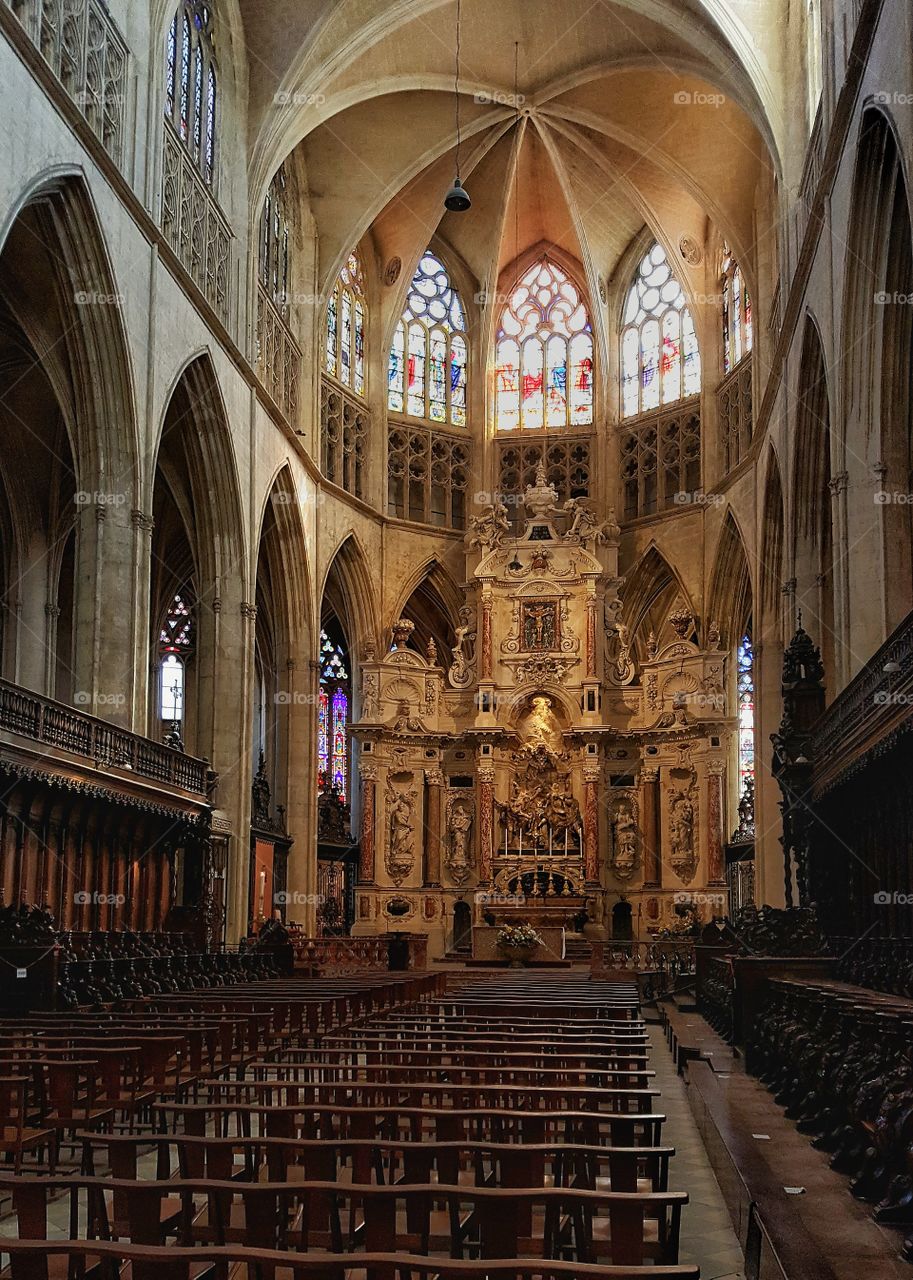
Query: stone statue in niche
column 682, row 820
column 369, row 696
column 623, row 818
column 539, row 626
column 459, row 829
column 541, row 727
column 400, row 834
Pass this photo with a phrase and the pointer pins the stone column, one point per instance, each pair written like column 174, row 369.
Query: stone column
column 591, row 822
column 366, row 868
column 838, row 485
column 486, row 777
column 716, row 869
column 591, row 637
column 650, row 827
column 301, row 693
column 434, row 781
column 486, row 654
column 111, row 610
column 52, row 614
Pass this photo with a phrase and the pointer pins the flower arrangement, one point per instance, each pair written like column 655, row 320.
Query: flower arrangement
column 518, row 936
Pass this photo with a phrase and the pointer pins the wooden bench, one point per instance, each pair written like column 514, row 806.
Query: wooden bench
column 42, row 1260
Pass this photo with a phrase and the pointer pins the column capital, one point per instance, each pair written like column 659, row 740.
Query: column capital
column 141, row 522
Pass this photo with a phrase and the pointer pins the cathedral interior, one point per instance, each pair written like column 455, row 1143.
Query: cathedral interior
column 456, row 580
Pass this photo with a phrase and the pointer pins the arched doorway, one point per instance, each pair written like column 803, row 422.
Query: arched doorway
column 462, row 926
column 622, row 930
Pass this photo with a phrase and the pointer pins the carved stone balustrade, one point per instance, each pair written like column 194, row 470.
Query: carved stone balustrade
column 735, row 416
column 278, row 356
column 195, row 226
column 83, row 47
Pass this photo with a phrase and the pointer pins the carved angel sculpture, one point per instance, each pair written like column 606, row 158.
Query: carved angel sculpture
column 488, row 529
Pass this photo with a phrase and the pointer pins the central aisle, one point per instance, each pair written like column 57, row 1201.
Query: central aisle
column 707, row 1236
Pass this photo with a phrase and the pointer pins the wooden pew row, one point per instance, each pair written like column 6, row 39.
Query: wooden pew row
column 42, row 1260
column 350, row 1070
column 381, row 1161
column 453, row 1124
column 429, row 1093
column 516, row 1024
column 370, row 1034
column 613, row 1227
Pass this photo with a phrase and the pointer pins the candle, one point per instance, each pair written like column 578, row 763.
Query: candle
column 550, row 841
column 521, row 841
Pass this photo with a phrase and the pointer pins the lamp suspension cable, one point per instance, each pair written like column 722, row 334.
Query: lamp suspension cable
column 457, row 198
column 456, row 85
column 519, row 139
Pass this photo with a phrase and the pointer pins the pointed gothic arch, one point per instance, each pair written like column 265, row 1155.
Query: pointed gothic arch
column 198, row 544
column 348, row 592
column 811, row 524
column 730, row 595
column 69, row 434
column 432, row 600
column 772, row 529
column 282, row 634
column 878, row 351
column 651, row 589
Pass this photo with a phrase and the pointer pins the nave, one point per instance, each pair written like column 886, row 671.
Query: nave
column 502, row 1125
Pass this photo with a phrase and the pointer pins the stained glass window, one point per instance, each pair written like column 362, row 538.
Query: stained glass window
column 333, row 717
column 210, row 153
column 428, row 369
column 544, row 354
column 738, row 333
column 176, row 644
column 171, row 60
column 274, row 240
column 190, row 83
column 745, row 694
column 813, row 44
column 660, row 361
column 344, row 346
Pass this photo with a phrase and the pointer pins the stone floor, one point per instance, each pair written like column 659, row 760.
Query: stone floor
column 707, row 1235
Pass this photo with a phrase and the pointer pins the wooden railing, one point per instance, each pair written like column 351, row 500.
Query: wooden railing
column 195, row 226
column 41, row 720
column 278, row 356
column 86, row 52
column 669, row 958
column 876, row 704
column 341, row 955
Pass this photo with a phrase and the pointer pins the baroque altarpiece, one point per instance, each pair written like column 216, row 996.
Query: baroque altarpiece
column 540, row 770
